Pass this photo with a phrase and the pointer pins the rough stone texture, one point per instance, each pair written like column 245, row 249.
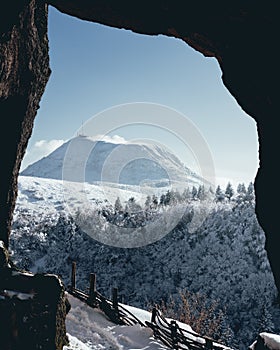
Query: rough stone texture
column 32, row 309
column 35, row 323
column 242, row 35
column 24, row 72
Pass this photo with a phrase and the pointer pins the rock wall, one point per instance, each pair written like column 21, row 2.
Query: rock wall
column 32, row 309
column 30, row 321
column 24, row 72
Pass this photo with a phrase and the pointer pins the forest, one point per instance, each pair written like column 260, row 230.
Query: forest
column 212, row 261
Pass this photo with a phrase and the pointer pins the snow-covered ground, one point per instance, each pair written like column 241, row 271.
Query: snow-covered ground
column 54, row 195
column 89, row 329
column 270, row 340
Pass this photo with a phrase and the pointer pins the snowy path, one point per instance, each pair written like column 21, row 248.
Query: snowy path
column 89, row 329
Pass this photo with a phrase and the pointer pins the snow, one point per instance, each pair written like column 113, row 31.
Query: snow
column 18, row 295
column 89, row 329
column 229, row 243
column 144, row 315
column 272, row 341
column 25, row 273
column 40, row 194
column 83, row 159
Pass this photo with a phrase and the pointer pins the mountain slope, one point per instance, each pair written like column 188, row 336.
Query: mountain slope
column 83, row 159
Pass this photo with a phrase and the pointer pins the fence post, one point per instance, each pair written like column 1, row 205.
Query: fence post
column 73, row 276
column 154, row 314
column 208, row 343
column 115, row 299
column 173, row 327
column 92, row 289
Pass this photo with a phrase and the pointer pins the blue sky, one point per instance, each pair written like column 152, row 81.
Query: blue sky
column 95, row 68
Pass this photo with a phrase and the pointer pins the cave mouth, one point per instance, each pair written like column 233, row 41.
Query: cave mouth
column 218, row 31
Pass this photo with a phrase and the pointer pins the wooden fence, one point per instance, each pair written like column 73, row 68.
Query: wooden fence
column 168, row 332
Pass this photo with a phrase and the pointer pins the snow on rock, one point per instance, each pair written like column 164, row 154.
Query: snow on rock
column 18, row 295
column 267, row 340
column 89, row 329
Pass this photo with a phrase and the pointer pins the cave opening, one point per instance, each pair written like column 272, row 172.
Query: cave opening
column 95, row 67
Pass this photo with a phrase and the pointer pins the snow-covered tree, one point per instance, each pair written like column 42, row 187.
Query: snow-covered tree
column 194, row 192
column 241, row 189
column 148, row 202
column 154, row 202
column 201, row 193
column 250, row 195
column 186, row 194
column 229, row 192
column 118, row 205
column 219, row 194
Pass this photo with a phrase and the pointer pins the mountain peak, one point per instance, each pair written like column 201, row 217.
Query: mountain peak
column 88, row 159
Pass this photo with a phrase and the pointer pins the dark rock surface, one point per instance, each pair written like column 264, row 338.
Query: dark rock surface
column 32, row 309
column 24, row 72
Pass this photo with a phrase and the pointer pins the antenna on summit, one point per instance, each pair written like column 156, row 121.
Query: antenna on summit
column 81, row 133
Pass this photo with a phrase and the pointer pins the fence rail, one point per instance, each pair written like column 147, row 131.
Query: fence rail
column 169, row 333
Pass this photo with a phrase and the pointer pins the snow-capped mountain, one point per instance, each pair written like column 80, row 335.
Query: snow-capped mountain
column 83, row 159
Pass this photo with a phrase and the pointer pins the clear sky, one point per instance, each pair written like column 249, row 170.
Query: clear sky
column 95, row 68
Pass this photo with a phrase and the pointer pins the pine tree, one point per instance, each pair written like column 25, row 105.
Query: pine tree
column 186, row 194
column 118, row 205
column 148, row 202
column 241, row 193
column 162, row 199
column 250, row 195
column 229, row 192
column 201, row 193
column 173, row 197
column 241, row 188
column 219, row 194
column 194, row 192
column 167, row 198
column 154, row 203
